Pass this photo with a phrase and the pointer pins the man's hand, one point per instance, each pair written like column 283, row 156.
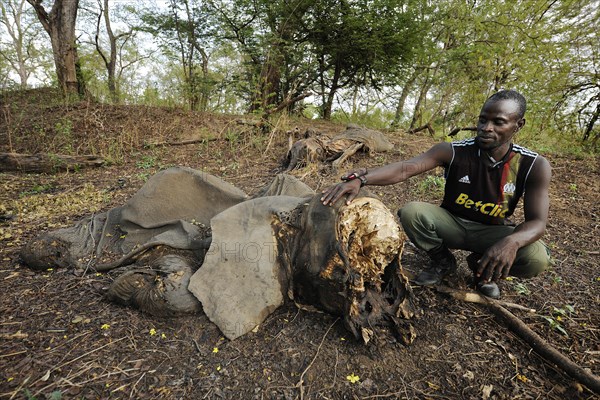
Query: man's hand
column 333, row 193
column 496, row 261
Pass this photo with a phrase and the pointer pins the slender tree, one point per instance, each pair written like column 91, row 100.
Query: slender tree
column 20, row 49
column 187, row 30
column 115, row 42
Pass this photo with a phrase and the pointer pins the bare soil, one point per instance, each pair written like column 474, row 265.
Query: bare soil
column 59, row 337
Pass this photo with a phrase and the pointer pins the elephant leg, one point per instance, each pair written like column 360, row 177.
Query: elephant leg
column 160, row 290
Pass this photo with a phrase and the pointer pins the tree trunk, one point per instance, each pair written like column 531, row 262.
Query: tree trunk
column 112, row 62
column 204, row 90
column 60, row 26
column 403, row 96
column 109, row 62
column 268, row 90
column 590, row 125
column 327, row 106
column 422, row 95
column 48, row 163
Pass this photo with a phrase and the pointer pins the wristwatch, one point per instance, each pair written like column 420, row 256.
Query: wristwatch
column 361, row 177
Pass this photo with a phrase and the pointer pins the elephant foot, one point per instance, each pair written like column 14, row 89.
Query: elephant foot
column 160, row 291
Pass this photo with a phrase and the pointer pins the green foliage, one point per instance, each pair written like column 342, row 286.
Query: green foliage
column 233, row 136
column 37, row 189
column 64, row 135
column 556, row 279
column 360, row 44
column 187, row 31
column 432, row 185
column 558, row 315
column 522, row 289
column 554, row 324
column 146, row 162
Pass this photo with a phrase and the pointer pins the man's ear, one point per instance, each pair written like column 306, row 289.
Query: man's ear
column 520, row 123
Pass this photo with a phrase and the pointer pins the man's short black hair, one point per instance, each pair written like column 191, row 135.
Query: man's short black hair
column 510, row 95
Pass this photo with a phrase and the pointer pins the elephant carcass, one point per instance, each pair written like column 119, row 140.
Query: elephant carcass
column 282, row 243
column 343, row 260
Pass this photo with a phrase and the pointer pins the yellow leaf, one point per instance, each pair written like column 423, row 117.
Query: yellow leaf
column 215, row 350
column 105, row 326
column 152, row 332
column 522, row 378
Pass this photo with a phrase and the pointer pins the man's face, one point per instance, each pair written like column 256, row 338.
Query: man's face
column 498, row 122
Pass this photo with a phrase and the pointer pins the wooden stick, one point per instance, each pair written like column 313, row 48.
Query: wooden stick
column 472, row 297
column 301, row 381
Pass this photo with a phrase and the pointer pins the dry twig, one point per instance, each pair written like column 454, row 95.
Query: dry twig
column 301, row 381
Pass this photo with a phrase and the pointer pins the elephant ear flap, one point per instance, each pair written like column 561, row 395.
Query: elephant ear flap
column 242, row 279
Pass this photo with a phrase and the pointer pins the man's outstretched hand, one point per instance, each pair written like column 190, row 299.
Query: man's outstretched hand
column 333, row 193
column 496, row 261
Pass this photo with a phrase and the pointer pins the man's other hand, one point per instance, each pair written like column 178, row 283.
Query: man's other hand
column 496, row 261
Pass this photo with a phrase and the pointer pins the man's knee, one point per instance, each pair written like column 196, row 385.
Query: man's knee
column 412, row 212
column 534, row 259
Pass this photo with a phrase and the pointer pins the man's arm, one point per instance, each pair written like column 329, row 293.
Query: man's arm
column 499, row 258
column 436, row 156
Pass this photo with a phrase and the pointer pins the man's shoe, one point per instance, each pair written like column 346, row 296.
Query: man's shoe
column 442, row 263
column 489, row 289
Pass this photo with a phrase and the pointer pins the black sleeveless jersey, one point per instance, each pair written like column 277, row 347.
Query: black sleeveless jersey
column 482, row 193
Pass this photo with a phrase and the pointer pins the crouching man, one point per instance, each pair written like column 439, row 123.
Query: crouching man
column 485, row 178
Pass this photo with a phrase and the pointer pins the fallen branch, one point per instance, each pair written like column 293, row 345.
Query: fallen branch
column 472, row 297
column 537, row 343
column 422, row 128
column 45, row 162
column 180, row 143
column 455, row 131
column 287, row 103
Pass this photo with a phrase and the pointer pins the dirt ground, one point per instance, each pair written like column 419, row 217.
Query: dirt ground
column 60, row 339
